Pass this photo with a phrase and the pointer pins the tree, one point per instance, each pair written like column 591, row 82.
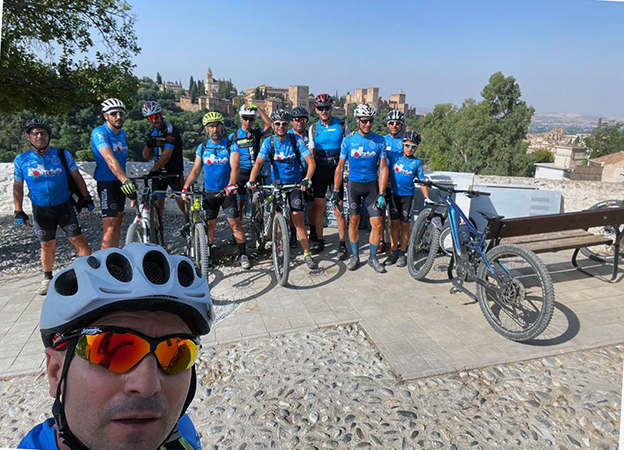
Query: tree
column 543, row 156
column 609, row 139
column 192, row 89
column 46, row 60
column 158, row 78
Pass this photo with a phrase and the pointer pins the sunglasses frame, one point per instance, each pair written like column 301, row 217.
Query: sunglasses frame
column 410, row 146
column 153, row 342
column 248, row 119
column 395, row 123
column 324, row 108
column 117, row 114
column 366, row 121
column 153, row 117
column 280, row 124
column 300, row 119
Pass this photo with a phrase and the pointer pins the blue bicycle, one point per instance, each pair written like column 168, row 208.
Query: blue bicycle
column 513, row 286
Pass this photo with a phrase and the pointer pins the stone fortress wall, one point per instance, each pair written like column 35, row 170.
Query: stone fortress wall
column 577, row 195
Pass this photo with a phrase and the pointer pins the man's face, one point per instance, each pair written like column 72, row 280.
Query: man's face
column 155, row 120
column 394, row 126
column 280, row 127
column 365, row 124
column 215, row 131
column 39, row 138
column 247, row 122
column 132, row 410
column 299, row 124
column 115, row 118
column 324, row 112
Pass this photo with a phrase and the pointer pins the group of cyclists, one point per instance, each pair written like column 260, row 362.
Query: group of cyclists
column 325, row 159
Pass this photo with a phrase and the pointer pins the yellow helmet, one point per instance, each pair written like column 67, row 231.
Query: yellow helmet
column 212, row 117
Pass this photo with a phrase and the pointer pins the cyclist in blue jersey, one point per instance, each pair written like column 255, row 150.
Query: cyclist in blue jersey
column 299, row 117
column 111, row 153
column 325, row 139
column 47, row 181
column 394, row 143
column 364, row 151
column 122, row 332
column 404, row 169
column 220, row 162
column 164, row 146
column 286, row 167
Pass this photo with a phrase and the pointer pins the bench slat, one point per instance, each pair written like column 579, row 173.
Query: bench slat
column 523, row 226
column 548, row 236
column 554, row 245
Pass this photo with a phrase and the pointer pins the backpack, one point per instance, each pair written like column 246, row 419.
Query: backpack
column 293, row 143
column 74, row 192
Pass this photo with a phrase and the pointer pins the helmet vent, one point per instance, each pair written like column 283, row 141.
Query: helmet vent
column 93, row 262
column 66, row 283
column 119, row 267
column 185, row 274
column 156, row 267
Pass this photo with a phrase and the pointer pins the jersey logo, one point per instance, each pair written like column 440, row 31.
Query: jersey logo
column 400, row 168
column 39, row 171
column 282, row 157
column 120, row 148
column 214, row 160
column 360, row 153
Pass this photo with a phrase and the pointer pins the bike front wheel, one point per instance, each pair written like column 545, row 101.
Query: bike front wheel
column 157, row 233
column 423, row 246
column 201, row 249
column 446, row 240
column 257, row 222
column 519, row 300
column 281, row 249
column 136, row 233
column 603, row 253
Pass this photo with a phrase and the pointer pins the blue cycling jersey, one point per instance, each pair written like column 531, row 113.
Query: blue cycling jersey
column 403, row 171
column 216, row 159
column 246, row 142
column 363, row 154
column 43, row 436
column 394, row 144
column 103, row 137
column 326, row 139
column 45, row 176
column 304, row 165
column 285, row 166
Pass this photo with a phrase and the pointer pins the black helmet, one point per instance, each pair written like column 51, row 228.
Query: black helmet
column 412, row 136
column 299, row 112
column 37, row 123
column 280, row 114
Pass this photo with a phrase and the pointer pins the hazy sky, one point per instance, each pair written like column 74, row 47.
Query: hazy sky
column 567, row 55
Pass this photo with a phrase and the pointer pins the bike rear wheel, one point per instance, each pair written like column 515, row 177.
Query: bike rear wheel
column 446, row 240
column 257, row 222
column 201, row 249
column 521, row 305
column 136, row 233
column 157, row 233
column 423, row 246
column 281, row 249
column 603, row 253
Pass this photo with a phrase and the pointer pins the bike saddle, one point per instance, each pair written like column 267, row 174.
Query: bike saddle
column 488, row 216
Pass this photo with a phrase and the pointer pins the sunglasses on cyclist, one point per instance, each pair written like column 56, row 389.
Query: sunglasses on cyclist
column 117, row 113
column 300, row 119
column 366, row 121
column 411, row 146
column 249, row 119
column 120, row 349
column 396, row 123
column 323, row 108
column 153, row 117
column 280, row 124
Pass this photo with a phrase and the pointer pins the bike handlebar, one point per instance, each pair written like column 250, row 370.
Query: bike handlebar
column 154, row 176
column 451, row 190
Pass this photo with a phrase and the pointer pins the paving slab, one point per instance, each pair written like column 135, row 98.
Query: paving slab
column 420, row 328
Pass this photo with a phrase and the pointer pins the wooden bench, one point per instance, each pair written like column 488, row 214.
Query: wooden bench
column 557, row 232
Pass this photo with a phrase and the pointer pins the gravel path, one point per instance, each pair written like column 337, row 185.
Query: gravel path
column 331, row 389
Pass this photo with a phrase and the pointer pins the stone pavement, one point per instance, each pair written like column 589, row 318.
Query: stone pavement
column 419, row 327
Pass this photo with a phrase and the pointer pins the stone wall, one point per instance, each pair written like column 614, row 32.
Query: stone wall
column 577, row 195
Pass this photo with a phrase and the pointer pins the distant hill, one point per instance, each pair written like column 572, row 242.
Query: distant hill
column 570, row 122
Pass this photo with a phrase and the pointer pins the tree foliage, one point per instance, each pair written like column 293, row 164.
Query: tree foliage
column 49, row 60
column 609, row 139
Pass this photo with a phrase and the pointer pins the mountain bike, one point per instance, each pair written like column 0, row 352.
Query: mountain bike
column 270, row 211
column 513, row 287
column 605, row 253
column 148, row 226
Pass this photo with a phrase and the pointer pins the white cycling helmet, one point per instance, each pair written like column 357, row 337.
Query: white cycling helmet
column 112, row 103
column 364, row 110
column 395, row 114
column 139, row 277
column 246, row 112
column 150, row 108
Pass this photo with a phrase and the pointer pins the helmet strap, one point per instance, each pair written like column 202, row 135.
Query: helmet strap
column 58, row 409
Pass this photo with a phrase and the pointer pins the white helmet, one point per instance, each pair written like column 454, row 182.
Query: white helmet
column 395, row 114
column 246, row 112
column 150, row 107
column 364, row 110
column 112, row 103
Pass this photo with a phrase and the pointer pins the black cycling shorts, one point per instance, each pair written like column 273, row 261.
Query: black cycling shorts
column 363, row 191
column 296, row 201
column 243, row 178
column 48, row 218
column 401, row 208
column 176, row 184
column 323, row 179
column 112, row 200
column 229, row 203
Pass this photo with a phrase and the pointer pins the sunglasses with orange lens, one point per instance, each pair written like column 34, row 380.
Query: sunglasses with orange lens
column 120, row 349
